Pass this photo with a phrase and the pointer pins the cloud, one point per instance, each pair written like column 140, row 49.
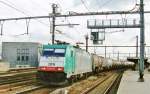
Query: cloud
column 109, row 4
column 39, row 29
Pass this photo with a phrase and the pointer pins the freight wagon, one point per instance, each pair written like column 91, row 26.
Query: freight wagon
column 97, row 62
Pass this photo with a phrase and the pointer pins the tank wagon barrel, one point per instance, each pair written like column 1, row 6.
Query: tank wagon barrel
column 65, row 63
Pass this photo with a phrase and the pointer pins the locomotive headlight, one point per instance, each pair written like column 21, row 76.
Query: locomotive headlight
column 43, row 68
column 60, row 69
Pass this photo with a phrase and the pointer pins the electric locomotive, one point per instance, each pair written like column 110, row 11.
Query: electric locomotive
column 60, row 63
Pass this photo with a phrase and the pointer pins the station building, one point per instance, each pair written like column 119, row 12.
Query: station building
column 21, row 54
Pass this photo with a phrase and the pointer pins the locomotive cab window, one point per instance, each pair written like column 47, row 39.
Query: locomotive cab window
column 47, row 52
column 54, row 52
column 59, row 50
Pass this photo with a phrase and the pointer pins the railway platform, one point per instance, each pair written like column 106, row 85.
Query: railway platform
column 130, row 85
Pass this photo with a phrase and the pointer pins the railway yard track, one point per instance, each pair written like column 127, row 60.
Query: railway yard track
column 103, row 83
column 14, row 80
column 26, row 83
column 107, row 85
column 22, row 82
column 17, row 71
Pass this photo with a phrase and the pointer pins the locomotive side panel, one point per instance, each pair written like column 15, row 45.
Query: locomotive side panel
column 83, row 62
column 69, row 66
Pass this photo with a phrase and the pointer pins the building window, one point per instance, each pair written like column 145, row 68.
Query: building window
column 22, row 54
column 18, row 58
column 18, row 51
column 27, row 58
column 22, row 58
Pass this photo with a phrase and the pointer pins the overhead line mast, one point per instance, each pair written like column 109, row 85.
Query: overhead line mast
column 142, row 42
column 54, row 6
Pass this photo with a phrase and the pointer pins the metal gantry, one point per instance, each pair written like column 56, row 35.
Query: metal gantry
column 102, row 24
column 72, row 14
column 112, row 23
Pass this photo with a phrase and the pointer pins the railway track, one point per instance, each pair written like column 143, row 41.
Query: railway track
column 17, row 78
column 29, row 90
column 103, row 83
column 113, row 87
column 22, row 87
column 11, row 87
column 14, row 81
column 23, row 82
column 36, row 89
column 17, row 72
column 27, row 84
column 108, row 85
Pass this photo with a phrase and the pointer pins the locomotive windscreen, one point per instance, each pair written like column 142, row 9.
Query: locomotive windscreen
column 54, row 52
column 52, row 60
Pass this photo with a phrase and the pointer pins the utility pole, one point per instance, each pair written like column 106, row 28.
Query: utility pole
column 86, row 38
column 142, row 42
column 137, row 46
column 54, row 6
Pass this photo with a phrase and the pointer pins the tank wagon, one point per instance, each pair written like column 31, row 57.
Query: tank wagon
column 97, row 62
column 62, row 63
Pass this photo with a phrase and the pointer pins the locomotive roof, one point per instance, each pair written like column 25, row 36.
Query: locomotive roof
column 59, row 46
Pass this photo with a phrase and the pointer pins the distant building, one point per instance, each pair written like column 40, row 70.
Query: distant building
column 21, row 54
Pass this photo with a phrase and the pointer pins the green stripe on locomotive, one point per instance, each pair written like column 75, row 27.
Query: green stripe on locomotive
column 78, row 61
column 49, row 46
column 69, row 61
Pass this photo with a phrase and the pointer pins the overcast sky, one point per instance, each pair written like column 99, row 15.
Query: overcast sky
column 40, row 31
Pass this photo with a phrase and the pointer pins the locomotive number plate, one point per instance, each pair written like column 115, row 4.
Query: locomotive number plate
column 51, row 64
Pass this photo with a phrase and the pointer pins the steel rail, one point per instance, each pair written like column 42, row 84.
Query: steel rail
column 97, row 84
column 15, row 80
column 15, row 86
column 113, row 84
column 31, row 89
